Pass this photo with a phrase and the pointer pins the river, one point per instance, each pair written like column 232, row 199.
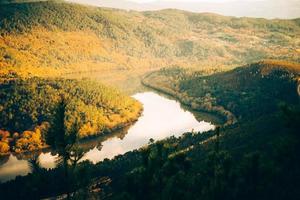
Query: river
column 162, row 117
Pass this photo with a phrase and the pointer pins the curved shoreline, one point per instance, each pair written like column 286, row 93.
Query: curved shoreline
column 226, row 115
column 104, row 133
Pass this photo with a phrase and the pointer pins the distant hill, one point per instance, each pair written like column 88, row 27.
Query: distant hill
column 51, row 38
column 249, row 8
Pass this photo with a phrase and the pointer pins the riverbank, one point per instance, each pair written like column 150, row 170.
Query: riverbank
column 28, row 108
column 104, row 133
column 161, row 118
column 152, row 81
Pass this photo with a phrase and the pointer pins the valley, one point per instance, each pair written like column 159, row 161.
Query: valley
column 151, row 125
column 104, row 103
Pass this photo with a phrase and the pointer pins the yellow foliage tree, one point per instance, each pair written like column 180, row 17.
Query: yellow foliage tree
column 4, row 147
column 29, row 141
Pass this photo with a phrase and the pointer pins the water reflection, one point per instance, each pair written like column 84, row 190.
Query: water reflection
column 13, row 167
column 47, row 160
column 161, row 118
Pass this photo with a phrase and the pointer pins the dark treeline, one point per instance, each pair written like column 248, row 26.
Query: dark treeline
column 249, row 91
column 241, row 94
column 236, row 164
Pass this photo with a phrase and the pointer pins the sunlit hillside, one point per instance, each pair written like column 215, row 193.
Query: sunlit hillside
column 28, row 110
column 52, row 38
column 205, row 106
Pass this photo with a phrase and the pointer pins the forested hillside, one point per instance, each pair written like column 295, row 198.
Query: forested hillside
column 254, row 155
column 51, row 38
column 240, row 94
column 28, row 107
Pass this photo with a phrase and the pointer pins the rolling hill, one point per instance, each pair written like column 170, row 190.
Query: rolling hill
column 53, row 37
column 254, row 155
column 240, row 94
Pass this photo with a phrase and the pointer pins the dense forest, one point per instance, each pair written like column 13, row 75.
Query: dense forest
column 55, row 37
column 236, row 95
column 253, row 158
column 28, row 107
column 253, row 155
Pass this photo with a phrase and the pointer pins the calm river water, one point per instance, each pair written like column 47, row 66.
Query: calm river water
column 161, row 118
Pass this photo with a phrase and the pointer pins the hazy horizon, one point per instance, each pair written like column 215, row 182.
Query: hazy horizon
column 284, row 9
